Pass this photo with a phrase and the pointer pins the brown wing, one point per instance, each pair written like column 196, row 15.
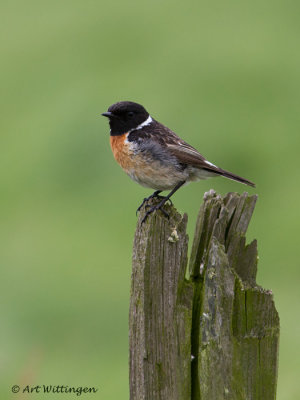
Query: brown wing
column 156, row 133
column 187, row 154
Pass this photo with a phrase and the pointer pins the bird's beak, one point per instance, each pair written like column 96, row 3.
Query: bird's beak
column 107, row 114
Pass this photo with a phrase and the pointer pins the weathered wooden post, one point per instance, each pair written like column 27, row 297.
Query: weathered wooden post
column 212, row 334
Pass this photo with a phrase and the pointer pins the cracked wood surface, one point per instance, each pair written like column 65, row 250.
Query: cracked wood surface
column 213, row 335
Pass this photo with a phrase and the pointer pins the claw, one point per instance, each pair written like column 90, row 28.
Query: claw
column 161, row 204
column 146, row 199
column 154, row 208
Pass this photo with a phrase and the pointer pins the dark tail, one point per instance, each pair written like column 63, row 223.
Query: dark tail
column 234, row 177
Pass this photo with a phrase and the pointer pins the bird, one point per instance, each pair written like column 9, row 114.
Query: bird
column 154, row 156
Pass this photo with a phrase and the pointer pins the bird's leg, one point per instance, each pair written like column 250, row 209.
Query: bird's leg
column 146, row 199
column 164, row 200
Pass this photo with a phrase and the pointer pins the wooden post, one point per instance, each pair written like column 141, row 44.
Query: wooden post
column 210, row 335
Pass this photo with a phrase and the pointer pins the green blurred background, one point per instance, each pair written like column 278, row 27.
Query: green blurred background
column 223, row 75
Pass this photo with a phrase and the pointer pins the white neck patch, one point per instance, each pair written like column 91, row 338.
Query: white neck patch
column 140, row 126
column 145, row 123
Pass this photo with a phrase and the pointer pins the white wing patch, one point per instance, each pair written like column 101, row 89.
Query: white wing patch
column 186, row 148
column 211, row 164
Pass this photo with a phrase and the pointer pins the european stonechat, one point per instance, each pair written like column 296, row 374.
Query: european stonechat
column 154, row 156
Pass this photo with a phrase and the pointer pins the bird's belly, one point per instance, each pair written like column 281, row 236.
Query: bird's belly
column 154, row 175
column 144, row 169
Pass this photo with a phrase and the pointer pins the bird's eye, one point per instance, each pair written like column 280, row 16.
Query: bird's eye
column 130, row 114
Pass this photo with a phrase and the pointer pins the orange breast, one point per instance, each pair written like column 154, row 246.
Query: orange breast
column 143, row 168
column 121, row 151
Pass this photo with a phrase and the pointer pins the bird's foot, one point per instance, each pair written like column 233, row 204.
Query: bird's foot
column 157, row 207
column 161, row 198
column 146, row 199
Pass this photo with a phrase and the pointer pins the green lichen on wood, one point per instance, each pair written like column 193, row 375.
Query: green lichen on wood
column 238, row 321
column 214, row 336
column 160, row 310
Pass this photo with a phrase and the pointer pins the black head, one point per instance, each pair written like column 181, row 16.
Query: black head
column 125, row 116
